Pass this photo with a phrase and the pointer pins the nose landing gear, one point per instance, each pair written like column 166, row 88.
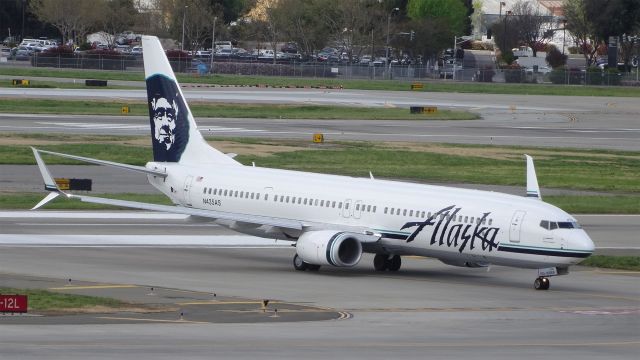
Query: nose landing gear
column 541, row 283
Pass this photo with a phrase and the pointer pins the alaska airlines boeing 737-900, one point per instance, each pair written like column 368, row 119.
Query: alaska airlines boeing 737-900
column 334, row 219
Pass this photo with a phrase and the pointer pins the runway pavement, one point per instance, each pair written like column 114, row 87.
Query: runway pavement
column 426, row 309
column 558, row 121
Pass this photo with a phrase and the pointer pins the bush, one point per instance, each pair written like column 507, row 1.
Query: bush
column 513, row 73
column 612, row 76
column 555, row 58
column 62, row 51
column 85, row 46
column 594, row 76
column 559, row 76
column 508, row 57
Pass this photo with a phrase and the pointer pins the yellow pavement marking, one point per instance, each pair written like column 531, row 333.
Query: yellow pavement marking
column 94, row 287
column 153, row 320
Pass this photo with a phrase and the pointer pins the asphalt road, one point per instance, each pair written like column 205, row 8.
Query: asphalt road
column 426, row 309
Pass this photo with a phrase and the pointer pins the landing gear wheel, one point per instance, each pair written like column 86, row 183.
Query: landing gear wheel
column 380, row 262
column 312, row 267
column 298, row 264
column 541, row 283
column 394, row 263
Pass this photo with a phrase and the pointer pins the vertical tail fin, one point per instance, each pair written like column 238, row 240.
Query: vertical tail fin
column 174, row 132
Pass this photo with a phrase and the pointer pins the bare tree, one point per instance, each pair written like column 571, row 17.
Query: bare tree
column 73, row 18
column 198, row 23
column 530, row 22
column 117, row 16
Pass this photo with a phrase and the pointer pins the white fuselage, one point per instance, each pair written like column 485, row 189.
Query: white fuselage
column 457, row 226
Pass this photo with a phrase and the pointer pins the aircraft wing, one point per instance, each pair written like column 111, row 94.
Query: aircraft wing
column 248, row 219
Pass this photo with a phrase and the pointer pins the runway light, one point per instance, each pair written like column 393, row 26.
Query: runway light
column 181, row 316
column 275, row 313
column 151, row 293
column 265, row 302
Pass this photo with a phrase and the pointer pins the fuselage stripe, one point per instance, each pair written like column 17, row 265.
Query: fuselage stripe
column 559, row 253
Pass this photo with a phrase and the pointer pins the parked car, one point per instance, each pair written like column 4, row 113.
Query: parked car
column 136, row 50
column 23, row 53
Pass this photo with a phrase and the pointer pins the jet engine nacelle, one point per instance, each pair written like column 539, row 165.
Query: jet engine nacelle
column 326, row 247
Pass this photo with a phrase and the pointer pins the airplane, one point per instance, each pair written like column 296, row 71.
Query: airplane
column 332, row 220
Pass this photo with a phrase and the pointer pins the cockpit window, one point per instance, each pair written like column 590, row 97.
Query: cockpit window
column 552, row 225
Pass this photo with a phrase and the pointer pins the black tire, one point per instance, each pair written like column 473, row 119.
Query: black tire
column 541, row 283
column 299, row 264
column 545, row 283
column 380, row 262
column 394, row 263
column 312, row 267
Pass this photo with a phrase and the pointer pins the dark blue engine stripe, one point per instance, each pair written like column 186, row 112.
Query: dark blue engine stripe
column 395, row 236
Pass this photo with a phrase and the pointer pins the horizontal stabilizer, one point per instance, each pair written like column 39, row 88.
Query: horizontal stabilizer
column 141, row 169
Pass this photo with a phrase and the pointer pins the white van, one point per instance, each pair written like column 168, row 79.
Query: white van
column 223, row 45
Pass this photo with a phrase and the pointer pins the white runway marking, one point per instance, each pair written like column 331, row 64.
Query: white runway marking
column 235, row 241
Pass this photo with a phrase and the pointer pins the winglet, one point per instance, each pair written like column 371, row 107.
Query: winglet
column 49, row 182
column 533, row 190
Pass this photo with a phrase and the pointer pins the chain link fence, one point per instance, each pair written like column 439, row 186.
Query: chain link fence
column 252, row 67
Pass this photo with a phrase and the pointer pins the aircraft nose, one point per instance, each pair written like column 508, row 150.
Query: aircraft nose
column 582, row 242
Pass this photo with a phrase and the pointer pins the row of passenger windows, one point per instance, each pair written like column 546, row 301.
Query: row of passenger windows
column 333, row 204
column 421, row 214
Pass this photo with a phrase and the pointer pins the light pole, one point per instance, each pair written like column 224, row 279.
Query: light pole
column 504, row 35
column 564, row 30
column 184, row 16
column 388, row 26
column 502, row 3
column 213, row 43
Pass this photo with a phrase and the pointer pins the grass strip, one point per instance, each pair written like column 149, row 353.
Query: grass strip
column 613, row 262
column 261, row 111
column 24, row 201
column 364, row 84
column 43, row 300
column 610, row 171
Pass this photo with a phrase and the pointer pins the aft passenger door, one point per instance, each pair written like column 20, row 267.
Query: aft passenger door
column 187, row 190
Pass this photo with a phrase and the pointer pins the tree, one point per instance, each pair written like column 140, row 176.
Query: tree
column 505, row 37
column 612, row 17
column 453, row 12
column 582, row 29
column 73, row 18
column 529, row 23
column 117, row 16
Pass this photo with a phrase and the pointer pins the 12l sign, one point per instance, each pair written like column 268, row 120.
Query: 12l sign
column 13, row 303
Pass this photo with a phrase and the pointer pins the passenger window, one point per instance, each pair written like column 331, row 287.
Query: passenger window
column 235, row 194
column 322, row 203
column 299, row 200
column 215, row 191
column 386, row 209
column 340, row 205
column 346, row 206
column 316, row 202
column 411, row 213
column 241, row 194
column 374, row 208
column 357, row 207
column 368, row 208
column 275, row 197
column 466, row 219
column 490, row 221
column 205, row 191
column 333, row 204
column 266, row 197
column 305, row 201
column 423, row 214
column 225, row 193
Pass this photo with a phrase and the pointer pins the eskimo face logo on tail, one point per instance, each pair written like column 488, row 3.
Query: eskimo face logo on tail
column 164, row 116
column 168, row 116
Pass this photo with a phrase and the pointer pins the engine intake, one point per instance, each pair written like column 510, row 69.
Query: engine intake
column 328, row 247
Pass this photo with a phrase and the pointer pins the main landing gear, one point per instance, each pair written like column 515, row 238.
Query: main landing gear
column 300, row 265
column 382, row 262
column 541, row 283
